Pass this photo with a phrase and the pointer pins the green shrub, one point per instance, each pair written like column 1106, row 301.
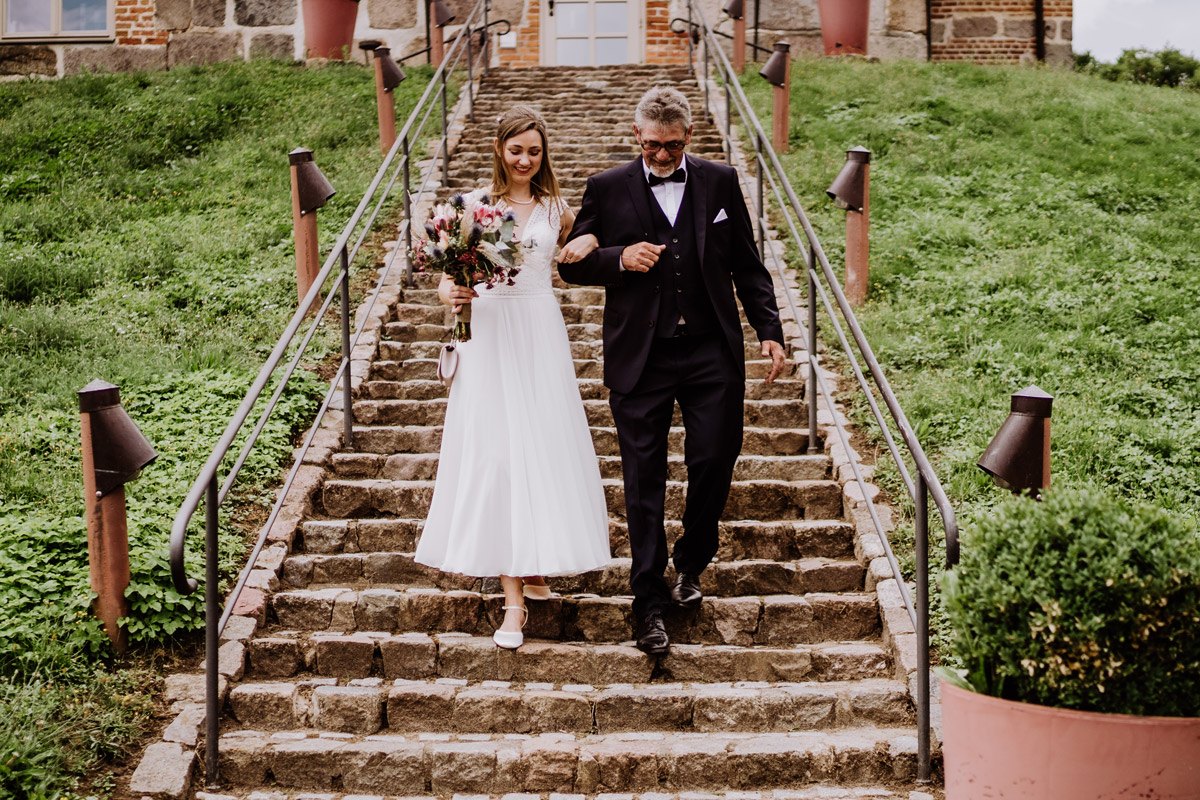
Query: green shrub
column 1167, row 67
column 1081, row 601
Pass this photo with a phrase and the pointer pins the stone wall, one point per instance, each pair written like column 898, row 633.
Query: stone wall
column 1000, row 31
column 160, row 34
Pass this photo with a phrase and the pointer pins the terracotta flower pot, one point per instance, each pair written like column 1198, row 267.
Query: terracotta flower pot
column 1006, row 750
column 329, row 27
column 844, row 25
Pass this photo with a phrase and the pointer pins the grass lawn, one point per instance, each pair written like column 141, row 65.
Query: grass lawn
column 1027, row 227
column 145, row 226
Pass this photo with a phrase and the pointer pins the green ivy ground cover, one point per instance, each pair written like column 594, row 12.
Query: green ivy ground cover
column 1027, row 227
column 145, row 232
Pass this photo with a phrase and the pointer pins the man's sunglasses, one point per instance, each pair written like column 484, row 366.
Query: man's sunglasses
column 670, row 147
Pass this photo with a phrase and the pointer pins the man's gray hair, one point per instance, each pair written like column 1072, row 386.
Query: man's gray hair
column 663, row 106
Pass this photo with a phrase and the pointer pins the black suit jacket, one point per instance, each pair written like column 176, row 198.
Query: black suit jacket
column 616, row 210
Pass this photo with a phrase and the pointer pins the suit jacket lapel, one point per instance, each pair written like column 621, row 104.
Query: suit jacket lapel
column 635, row 179
column 698, row 187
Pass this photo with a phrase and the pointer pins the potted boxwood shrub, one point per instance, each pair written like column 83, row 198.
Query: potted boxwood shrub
column 1078, row 621
column 329, row 27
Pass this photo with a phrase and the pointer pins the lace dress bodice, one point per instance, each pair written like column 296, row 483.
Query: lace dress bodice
column 539, row 243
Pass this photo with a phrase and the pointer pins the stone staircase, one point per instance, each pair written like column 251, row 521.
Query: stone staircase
column 371, row 675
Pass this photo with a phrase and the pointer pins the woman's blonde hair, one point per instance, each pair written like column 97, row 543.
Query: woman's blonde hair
column 515, row 121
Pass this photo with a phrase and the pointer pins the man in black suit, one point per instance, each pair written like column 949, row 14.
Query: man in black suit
column 675, row 242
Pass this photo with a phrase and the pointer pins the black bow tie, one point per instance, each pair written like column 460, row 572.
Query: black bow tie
column 678, row 176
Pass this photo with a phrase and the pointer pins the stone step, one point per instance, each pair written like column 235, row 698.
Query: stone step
column 580, row 349
column 741, row 621
column 589, row 389
column 426, row 368
column 822, row 791
column 423, row 466
column 758, row 499
column 419, row 656
column 758, row 413
column 445, row 764
column 740, row 540
column 721, row 579
column 369, row 705
column 427, row 439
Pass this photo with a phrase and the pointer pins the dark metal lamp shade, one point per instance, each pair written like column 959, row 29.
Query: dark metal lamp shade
column 313, row 188
column 846, row 191
column 441, row 16
column 735, row 9
column 393, row 75
column 1018, row 459
column 775, row 70
column 119, row 450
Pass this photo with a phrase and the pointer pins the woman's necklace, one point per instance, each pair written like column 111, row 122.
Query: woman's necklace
column 519, row 202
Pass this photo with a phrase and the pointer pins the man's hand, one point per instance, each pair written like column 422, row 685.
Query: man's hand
column 578, row 249
column 775, row 351
column 641, row 257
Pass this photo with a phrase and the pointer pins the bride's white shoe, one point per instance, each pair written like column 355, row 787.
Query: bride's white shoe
column 511, row 640
column 537, row 591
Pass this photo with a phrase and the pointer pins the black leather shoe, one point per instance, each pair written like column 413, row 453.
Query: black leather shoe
column 686, row 591
column 652, row 635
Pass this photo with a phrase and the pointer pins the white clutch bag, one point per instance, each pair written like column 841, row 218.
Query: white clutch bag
column 447, row 363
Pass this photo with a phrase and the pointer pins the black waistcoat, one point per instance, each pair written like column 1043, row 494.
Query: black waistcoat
column 680, row 283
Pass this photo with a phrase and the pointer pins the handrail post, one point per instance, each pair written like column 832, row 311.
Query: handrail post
column 409, row 281
column 484, row 38
column 470, row 80
column 921, row 552
column 347, row 405
column 707, row 104
column 212, row 618
column 759, row 163
column 809, row 259
column 728, row 122
column 445, row 136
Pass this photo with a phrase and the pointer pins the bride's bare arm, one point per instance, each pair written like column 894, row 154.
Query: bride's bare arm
column 578, row 248
column 454, row 295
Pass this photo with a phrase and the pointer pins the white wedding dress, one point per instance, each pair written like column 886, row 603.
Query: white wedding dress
column 518, row 487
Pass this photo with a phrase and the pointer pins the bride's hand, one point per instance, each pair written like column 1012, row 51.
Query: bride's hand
column 577, row 249
column 455, row 296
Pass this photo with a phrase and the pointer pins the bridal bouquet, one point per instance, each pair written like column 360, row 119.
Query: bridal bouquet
column 472, row 242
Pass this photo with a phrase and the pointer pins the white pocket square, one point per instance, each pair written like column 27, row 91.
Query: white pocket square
column 721, row 216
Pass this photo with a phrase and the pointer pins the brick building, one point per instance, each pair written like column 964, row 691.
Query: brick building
column 60, row 37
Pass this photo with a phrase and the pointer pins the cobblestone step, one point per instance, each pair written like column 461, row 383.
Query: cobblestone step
column 739, row 539
column 757, row 499
column 420, row 656
column 814, row 792
column 721, row 579
column 772, row 413
column 388, row 439
column 423, row 466
column 742, row 621
column 426, row 369
column 370, row 705
column 444, row 764
column 589, row 389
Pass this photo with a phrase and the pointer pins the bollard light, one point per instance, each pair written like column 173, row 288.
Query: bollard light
column 850, row 191
column 1018, row 459
column 737, row 12
column 442, row 15
column 310, row 191
column 114, row 452
column 393, row 74
column 777, row 72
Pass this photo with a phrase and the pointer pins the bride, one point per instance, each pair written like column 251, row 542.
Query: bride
column 518, row 490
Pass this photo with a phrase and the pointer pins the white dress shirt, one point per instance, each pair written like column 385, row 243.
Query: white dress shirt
column 669, row 194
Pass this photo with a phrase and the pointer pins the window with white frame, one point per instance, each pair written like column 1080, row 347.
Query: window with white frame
column 55, row 19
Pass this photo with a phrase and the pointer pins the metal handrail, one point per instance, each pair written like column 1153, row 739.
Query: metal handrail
column 926, row 483
column 206, row 486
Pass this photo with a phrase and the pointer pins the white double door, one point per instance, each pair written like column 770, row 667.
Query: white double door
column 581, row 33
